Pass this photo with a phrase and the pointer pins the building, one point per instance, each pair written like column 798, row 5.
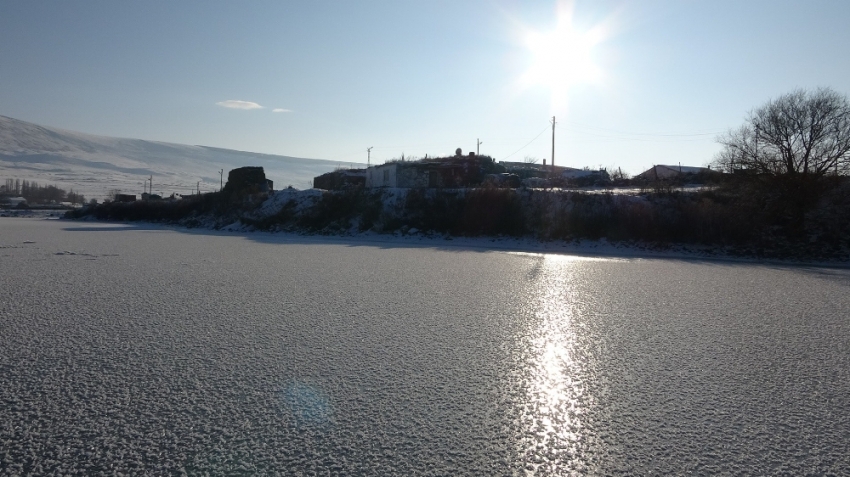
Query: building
column 340, row 179
column 662, row 172
column 527, row 169
column 125, row 197
column 585, row 177
column 11, row 201
column 565, row 174
column 444, row 172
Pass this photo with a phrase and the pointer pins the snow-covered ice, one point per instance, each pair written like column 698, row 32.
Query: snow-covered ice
column 138, row 349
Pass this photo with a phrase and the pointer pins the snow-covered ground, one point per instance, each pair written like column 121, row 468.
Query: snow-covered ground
column 139, row 349
column 33, row 213
column 94, row 165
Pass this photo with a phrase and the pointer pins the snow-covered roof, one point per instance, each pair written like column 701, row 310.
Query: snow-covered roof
column 12, row 200
column 571, row 173
column 665, row 171
column 686, row 169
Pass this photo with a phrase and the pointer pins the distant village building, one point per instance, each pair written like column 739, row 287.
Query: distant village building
column 8, row 201
column 125, row 197
column 528, row 171
column 385, row 175
column 340, row 179
column 444, row 172
column 662, row 172
column 586, row 177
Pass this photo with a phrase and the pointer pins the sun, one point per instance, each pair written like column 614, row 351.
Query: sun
column 562, row 58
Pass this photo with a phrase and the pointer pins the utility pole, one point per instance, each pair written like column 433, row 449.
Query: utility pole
column 757, row 146
column 150, row 191
column 477, row 146
column 553, row 144
column 369, row 157
column 221, row 180
column 199, row 187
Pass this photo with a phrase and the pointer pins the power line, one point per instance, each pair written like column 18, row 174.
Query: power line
column 527, row 144
column 709, row 132
column 588, row 137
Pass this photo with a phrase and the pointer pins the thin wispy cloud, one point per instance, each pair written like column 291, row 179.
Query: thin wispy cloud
column 236, row 104
column 281, row 110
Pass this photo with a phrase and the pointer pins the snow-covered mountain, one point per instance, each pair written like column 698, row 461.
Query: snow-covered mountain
column 94, row 165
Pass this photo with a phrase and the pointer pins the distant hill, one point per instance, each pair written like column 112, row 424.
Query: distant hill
column 94, row 165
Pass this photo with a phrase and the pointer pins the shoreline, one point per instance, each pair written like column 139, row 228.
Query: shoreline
column 701, row 225
column 581, row 248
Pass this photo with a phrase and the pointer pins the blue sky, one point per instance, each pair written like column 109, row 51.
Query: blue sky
column 418, row 77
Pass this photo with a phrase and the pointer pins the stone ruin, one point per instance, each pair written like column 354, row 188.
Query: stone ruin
column 247, row 180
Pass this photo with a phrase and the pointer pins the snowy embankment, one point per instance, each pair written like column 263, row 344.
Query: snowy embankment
column 299, row 199
column 705, row 223
column 687, row 225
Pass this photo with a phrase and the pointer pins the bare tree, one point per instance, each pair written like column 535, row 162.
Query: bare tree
column 75, row 198
column 801, row 132
column 530, row 160
column 618, row 174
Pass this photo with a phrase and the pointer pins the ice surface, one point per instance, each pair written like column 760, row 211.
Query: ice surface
column 137, row 349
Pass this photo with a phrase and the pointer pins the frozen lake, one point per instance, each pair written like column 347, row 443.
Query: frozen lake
column 133, row 349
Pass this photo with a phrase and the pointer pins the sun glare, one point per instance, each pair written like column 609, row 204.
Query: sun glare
column 563, row 57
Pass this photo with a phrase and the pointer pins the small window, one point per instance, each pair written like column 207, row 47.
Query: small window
column 386, row 176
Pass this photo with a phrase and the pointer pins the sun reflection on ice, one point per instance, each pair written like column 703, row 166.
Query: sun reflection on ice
column 556, row 401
